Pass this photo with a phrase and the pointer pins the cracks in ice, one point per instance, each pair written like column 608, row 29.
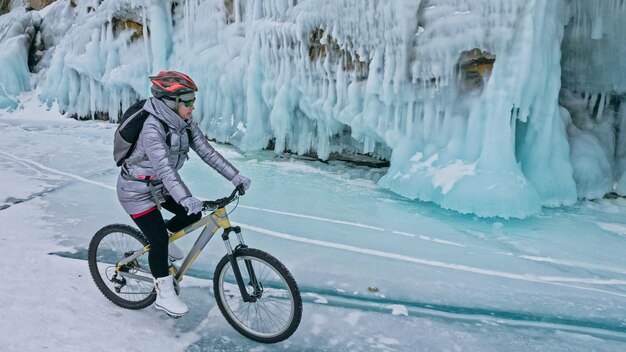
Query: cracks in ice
column 39, row 166
column 410, row 308
column 11, row 201
column 43, row 172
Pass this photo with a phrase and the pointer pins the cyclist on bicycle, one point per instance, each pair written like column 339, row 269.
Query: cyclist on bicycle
column 149, row 178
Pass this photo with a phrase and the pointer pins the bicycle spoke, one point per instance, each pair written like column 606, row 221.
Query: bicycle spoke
column 271, row 313
column 113, row 247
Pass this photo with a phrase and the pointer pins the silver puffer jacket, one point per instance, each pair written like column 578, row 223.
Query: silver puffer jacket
column 152, row 158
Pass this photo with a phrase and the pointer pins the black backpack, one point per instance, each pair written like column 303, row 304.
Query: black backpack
column 128, row 131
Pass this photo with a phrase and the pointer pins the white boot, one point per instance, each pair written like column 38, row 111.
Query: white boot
column 174, row 252
column 166, row 299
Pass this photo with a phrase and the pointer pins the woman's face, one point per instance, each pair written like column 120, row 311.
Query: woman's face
column 185, row 112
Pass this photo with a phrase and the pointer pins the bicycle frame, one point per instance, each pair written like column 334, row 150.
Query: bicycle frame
column 218, row 219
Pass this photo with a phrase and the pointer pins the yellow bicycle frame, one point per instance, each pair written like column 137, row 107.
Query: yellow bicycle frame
column 212, row 222
column 218, row 219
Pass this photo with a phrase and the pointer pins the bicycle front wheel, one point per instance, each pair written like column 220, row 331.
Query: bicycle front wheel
column 277, row 309
column 131, row 285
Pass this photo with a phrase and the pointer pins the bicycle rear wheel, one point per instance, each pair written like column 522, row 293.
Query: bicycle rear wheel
column 132, row 286
column 276, row 313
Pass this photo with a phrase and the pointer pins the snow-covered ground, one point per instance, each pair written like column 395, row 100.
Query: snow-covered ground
column 444, row 281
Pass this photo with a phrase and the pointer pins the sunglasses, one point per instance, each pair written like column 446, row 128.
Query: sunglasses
column 189, row 103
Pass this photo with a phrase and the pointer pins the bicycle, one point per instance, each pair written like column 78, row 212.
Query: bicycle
column 255, row 292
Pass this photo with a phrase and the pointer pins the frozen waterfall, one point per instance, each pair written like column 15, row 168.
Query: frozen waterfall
column 490, row 107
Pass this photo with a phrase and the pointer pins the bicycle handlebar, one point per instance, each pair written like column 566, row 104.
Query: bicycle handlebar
column 209, row 205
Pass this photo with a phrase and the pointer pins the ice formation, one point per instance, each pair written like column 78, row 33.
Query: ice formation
column 490, row 107
column 17, row 29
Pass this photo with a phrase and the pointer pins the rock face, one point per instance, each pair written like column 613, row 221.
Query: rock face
column 121, row 25
column 39, row 4
column 474, row 69
column 4, row 6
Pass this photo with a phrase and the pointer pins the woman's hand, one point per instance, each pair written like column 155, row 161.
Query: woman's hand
column 240, row 180
column 192, row 205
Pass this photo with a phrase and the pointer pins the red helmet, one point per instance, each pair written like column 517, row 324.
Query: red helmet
column 172, row 83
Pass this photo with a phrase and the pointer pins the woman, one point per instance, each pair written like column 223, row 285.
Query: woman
column 149, row 179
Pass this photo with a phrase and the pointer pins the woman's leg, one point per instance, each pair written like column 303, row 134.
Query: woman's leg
column 153, row 227
column 180, row 219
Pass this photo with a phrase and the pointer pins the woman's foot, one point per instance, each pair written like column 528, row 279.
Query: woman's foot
column 166, row 299
column 174, row 252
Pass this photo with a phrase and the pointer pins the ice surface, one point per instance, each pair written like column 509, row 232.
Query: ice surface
column 377, row 271
column 389, row 79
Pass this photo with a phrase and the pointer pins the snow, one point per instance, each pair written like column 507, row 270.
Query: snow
column 554, row 281
column 398, row 309
column 615, row 228
column 49, row 304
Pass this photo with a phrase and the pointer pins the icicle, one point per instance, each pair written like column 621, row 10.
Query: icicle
column 367, row 74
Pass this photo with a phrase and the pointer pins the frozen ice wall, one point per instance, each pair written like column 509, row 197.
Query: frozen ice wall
column 383, row 78
column 491, row 142
column 486, row 107
column 97, row 64
column 594, row 93
column 17, row 30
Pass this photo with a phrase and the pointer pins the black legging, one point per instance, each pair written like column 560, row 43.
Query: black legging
column 153, row 227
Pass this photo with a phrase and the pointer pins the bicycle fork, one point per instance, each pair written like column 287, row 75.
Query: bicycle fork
column 232, row 257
